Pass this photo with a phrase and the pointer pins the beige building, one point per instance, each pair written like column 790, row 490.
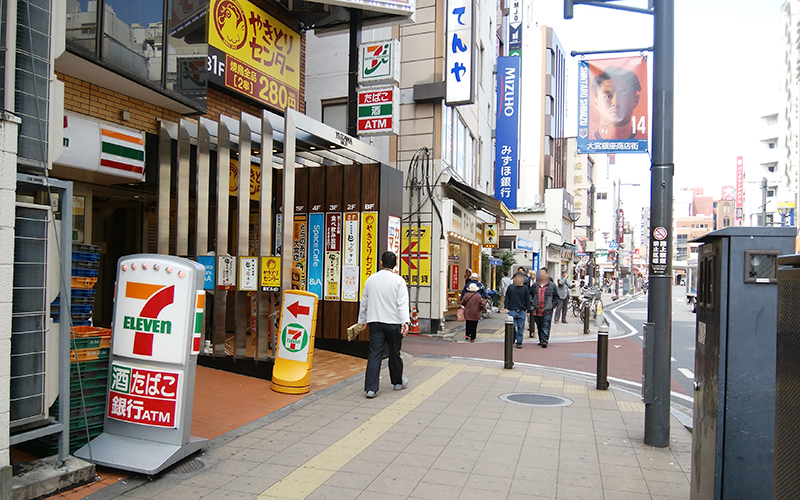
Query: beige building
column 580, row 177
column 687, row 229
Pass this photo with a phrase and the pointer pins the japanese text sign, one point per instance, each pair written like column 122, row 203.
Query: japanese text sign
column 454, row 277
column 146, row 397
column 333, row 255
column 208, row 265
column 515, row 27
column 490, row 235
column 377, row 111
column 415, row 256
column 316, row 249
column 255, row 180
column 507, row 142
column 393, row 237
column 459, row 72
column 270, row 274
column 612, row 105
column 369, row 246
column 739, row 190
column 300, row 237
column 351, row 239
column 254, row 54
column 248, row 274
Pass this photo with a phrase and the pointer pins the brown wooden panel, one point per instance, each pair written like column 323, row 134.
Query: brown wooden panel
column 370, row 187
column 301, row 190
column 351, row 199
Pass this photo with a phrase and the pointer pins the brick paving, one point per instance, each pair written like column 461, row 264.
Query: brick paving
column 447, row 436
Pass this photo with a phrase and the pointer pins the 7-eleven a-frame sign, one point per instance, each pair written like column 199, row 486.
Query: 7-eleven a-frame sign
column 415, row 255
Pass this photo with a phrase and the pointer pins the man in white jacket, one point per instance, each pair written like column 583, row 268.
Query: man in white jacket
column 384, row 307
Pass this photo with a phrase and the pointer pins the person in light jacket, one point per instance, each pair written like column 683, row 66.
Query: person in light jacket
column 473, row 304
column 564, row 284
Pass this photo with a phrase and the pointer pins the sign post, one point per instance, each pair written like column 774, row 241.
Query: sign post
column 158, row 313
column 292, row 371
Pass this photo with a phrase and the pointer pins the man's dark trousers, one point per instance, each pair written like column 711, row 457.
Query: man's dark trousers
column 383, row 335
column 543, row 326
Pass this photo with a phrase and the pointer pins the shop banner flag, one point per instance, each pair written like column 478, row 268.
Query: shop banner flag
column 507, row 142
column 613, row 105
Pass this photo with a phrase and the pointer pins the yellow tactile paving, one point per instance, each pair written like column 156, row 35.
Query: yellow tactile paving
column 630, row 406
column 536, row 379
column 473, row 368
column 511, row 374
column 492, row 371
column 552, row 384
column 601, row 395
column 575, row 389
column 311, row 475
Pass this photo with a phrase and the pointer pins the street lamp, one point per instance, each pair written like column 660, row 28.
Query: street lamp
column 574, row 215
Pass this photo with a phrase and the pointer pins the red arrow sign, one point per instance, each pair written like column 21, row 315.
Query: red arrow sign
column 297, row 310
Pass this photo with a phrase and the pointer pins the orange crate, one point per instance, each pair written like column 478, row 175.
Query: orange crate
column 90, row 331
column 85, row 283
column 92, row 354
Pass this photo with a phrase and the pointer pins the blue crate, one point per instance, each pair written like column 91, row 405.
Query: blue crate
column 80, row 292
column 81, row 308
column 85, row 264
column 85, row 273
column 85, row 256
column 78, row 247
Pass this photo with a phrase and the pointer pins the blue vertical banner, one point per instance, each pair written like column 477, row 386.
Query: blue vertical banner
column 506, row 178
column 316, row 251
column 208, row 265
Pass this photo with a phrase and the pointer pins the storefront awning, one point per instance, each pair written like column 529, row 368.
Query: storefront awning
column 470, row 197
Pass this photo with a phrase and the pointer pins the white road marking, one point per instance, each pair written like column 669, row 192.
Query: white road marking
column 641, row 337
column 673, row 359
column 686, row 373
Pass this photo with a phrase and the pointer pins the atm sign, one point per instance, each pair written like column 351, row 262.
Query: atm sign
column 377, row 111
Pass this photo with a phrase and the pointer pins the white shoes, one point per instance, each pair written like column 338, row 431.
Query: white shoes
column 400, row 387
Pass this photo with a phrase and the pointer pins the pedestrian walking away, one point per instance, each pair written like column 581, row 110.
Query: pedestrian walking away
column 474, row 278
column 473, row 304
column 503, row 287
column 564, row 284
column 542, row 294
column 518, row 303
column 384, row 308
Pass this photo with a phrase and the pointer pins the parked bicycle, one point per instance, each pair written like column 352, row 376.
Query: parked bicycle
column 592, row 297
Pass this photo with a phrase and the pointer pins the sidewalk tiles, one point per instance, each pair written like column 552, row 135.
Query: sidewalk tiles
column 447, row 436
column 225, row 401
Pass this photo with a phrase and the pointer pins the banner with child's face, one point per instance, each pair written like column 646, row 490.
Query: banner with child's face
column 613, row 105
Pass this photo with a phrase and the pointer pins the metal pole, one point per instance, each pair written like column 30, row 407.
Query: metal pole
column 591, row 233
column 586, row 309
column 616, row 238
column 763, row 202
column 356, row 16
column 602, row 361
column 659, row 304
column 509, row 351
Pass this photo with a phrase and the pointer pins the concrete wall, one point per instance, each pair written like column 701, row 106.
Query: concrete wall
column 8, row 184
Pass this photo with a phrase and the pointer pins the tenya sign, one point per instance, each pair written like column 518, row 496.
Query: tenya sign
column 377, row 111
column 459, row 46
column 379, row 62
column 157, row 325
column 253, row 54
column 507, row 142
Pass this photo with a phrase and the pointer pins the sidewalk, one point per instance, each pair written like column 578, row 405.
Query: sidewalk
column 447, row 436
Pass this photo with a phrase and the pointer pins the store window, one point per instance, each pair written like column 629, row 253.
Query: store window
column 459, row 146
column 146, row 41
column 334, row 113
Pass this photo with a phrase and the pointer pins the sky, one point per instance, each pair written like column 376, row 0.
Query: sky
column 728, row 56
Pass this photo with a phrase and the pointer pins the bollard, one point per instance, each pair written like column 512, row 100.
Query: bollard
column 599, row 321
column 602, row 359
column 586, row 317
column 509, row 355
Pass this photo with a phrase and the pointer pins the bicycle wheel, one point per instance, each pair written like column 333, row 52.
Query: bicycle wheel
column 583, row 315
column 576, row 307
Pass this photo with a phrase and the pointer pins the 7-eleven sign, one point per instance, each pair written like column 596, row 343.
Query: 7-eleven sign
column 156, row 313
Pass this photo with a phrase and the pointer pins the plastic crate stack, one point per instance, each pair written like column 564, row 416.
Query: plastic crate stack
column 88, row 381
column 85, row 267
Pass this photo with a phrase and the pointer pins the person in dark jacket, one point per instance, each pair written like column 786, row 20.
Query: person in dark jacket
column 518, row 303
column 473, row 305
column 542, row 293
column 476, row 279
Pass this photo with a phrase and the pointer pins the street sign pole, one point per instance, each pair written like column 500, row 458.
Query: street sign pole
column 659, row 301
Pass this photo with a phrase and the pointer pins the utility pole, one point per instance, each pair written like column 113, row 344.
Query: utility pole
column 763, row 202
column 658, row 334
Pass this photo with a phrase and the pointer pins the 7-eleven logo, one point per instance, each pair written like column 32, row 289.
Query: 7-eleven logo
column 294, row 337
column 147, row 324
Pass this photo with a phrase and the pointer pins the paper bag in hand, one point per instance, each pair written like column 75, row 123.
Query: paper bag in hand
column 354, row 331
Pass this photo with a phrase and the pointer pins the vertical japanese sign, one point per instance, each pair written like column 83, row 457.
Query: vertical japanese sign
column 515, row 28
column 378, row 110
column 739, row 190
column 507, row 142
column 476, row 260
column 612, row 105
column 459, row 45
column 369, row 246
column 253, row 54
column 659, row 251
column 146, row 397
column 454, row 277
column 270, row 274
column 490, row 236
column 333, row 255
column 278, row 233
column 415, row 256
column 316, row 244
column 394, row 238
column 300, row 237
column 248, row 274
column 226, row 272
column 350, row 274
column 208, row 265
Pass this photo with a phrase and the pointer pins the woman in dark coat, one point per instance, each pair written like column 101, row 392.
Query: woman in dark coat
column 473, row 305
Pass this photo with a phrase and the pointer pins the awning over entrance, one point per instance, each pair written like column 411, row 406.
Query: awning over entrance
column 470, row 197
